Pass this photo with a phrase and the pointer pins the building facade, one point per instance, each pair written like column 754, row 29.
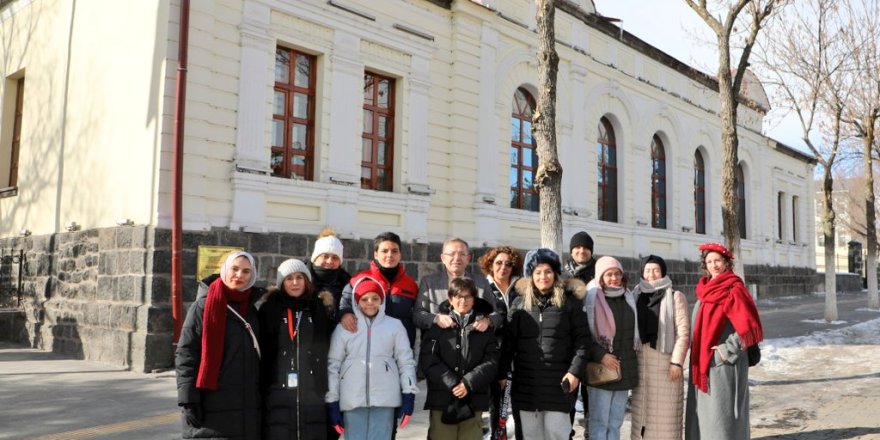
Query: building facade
column 403, row 115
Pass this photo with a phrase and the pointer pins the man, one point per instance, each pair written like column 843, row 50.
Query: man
column 582, row 265
column 385, row 268
column 456, row 256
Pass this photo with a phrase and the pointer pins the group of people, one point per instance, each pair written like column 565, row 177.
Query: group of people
column 323, row 354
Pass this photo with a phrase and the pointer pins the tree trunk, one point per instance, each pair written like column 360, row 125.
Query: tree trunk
column 870, row 214
column 548, row 179
column 729, row 159
column 830, row 248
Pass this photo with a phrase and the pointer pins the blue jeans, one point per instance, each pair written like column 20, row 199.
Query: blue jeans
column 372, row 423
column 607, row 409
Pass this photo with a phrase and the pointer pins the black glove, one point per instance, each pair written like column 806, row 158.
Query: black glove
column 407, row 405
column 192, row 413
column 334, row 415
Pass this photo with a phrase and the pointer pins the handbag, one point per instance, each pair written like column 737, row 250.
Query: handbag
column 754, row 353
column 598, row 374
column 456, row 412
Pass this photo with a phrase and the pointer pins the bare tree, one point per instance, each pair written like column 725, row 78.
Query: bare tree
column 805, row 67
column 548, row 179
column 863, row 112
column 729, row 85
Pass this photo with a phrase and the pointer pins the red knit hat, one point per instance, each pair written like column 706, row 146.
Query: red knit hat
column 367, row 285
column 717, row 247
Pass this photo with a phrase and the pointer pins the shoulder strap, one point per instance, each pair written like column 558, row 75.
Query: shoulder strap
column 249, row 329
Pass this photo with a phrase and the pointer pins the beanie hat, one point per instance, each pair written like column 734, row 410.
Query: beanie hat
column 717, row 247
column 581, row 239
column 656, row 260
column 292, row 266
column 367, row 285
column 327, row 245
column 538, row 256
column 606, row 263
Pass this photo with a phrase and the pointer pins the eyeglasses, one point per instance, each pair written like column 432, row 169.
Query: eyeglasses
column 507, row 263
column 464, row 298
column 456, row 254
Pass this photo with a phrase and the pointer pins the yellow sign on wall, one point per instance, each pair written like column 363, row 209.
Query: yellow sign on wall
column 210, row 258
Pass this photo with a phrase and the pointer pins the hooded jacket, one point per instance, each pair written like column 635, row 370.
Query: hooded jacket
column 458, row 354
column 542, row 345
column 373, row 366
column 233, row 410
column 400, row 298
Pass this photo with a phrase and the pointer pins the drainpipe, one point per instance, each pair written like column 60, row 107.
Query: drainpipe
column 177, row 171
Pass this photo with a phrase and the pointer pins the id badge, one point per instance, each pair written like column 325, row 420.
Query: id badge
column 292, row 380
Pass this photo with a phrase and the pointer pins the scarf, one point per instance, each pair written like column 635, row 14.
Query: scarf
column 389, row 273
column 656, row 308
column 722, row 299
column 605, row 326
column 214, row 330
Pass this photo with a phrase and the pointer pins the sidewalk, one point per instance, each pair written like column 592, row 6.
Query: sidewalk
column 822, row 384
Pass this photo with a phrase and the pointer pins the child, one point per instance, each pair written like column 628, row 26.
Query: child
column 371, row 371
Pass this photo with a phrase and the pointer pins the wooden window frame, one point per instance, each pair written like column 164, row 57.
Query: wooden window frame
column 699, row 193
column 794, row 218
column 290, row 89
column 518, row 191
column 372, row 139
column 606, row 146
column 658, row 183
column 741, row 202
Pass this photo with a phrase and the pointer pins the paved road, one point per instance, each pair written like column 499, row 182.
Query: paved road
column 47, row 396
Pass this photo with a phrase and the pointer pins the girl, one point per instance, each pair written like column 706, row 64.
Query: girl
column 295, row 336
column 218, row 356
column 371, row 371
column 611, row 309
column 725, row 323
column 658, row 399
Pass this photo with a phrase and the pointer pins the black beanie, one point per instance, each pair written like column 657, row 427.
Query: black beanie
column 654, row 259
column 581, row 239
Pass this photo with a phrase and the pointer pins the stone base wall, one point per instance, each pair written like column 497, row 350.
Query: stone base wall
column 845, row 282
column 105, row 294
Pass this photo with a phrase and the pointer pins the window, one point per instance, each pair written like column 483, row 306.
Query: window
column 658, row 183
column 523, row 153
column 794, row 218
column 740, row 201
column 377, row 149
column 606, row 149
column 11, row 143
column 780, row 199
column 293, row 115
column 699, row 193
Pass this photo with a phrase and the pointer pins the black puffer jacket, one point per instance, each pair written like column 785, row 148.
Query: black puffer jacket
column 295, row 412
column 544, row 344
column 233, row 410
column 452, row 355
column 330, row 280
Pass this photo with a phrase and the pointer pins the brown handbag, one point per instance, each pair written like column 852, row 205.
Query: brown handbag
column 598, row 374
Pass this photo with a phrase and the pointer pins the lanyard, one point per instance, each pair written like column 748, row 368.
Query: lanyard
column 290, row 326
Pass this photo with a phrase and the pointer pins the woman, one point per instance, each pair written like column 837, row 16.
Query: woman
column 459, row 364
column 295, row 337
column 546, row 341
column 664, row 328
column 611, row 309
column 218, row 356
column 326, row 269
column 502, row 266
column 725, row 323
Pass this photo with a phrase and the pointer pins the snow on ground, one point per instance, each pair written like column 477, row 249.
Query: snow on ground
column 822, row 321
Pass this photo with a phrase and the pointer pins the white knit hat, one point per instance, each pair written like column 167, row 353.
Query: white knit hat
column 327, row 245
column 291, row 266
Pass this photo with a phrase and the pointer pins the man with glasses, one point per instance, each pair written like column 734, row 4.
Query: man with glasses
column 433, row 289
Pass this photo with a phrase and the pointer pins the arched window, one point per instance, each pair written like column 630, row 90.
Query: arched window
column 699, row 193
column 523, row 156
column 658, row 183
column 606, row 149
column 740, row 201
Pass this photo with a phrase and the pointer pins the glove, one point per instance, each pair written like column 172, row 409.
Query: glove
column 407, row 405
column 192, row 413
column 334, row 416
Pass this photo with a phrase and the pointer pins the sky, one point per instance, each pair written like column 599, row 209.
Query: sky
column 673, row 27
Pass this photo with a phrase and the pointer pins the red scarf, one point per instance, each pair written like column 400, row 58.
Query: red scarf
column 722, row 299
column 214, row 330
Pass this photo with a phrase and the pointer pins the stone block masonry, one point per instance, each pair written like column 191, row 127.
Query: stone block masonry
column 105, row 294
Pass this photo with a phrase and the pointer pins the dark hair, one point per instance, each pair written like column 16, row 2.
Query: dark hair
column 705, row 253
column 385, row 236
column 461, row 284
column 488, row 259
